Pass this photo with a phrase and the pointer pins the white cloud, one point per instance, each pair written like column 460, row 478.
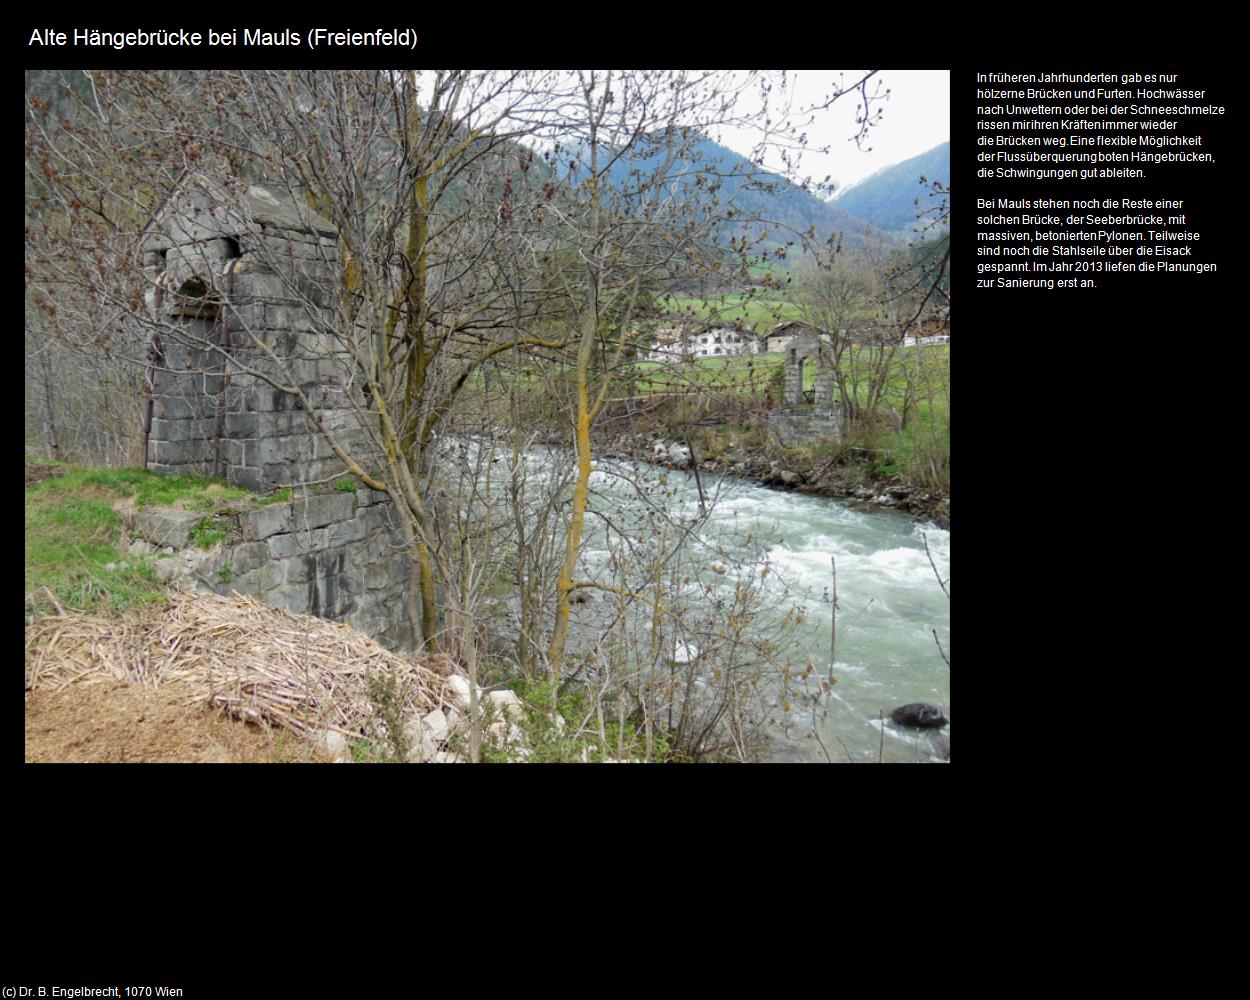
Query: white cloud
column 915, row 118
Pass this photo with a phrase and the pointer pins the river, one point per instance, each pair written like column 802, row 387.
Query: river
column 749, row 571
column 890, row 603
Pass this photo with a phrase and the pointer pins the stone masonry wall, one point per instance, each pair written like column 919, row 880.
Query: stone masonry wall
column 243, row 279
column 250, row 276
column 793, row 427
column 799, row 352
column 337, row 555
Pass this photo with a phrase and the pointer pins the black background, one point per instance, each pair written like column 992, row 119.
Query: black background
column 1074, row 411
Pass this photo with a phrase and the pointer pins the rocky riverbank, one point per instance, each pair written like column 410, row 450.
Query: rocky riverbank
column 787, row 469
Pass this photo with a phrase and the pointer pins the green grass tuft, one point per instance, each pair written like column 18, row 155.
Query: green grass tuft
column 206, row 534
column 73, row 549
column 75, row 540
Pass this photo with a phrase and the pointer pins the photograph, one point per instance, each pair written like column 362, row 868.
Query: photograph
column 546, row 416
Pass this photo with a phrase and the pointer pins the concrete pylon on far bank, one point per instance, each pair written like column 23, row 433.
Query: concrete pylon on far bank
column 807, row 349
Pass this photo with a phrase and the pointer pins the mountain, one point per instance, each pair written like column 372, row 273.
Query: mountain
column 772, row 204
column 887, row 199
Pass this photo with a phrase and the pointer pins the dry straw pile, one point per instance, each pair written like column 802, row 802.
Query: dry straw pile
column 261, row 664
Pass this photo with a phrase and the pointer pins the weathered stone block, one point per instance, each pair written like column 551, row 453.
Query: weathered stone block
column 292, row 596
column 245, row 317
column 193, row 453
column 321, row 469
column 156, row 241
column 370, row 625
column 209, row 569
column 270, row 575
column 346, row 532
column 241, row 425
column 319, row 511
column 166, row 430
column 233, row 452
column 175, row 407
column 188, row 224
column 285, row 546
column 246, row 583
column 249, row 478
column 258, row 525
column 377, row 516
column 248, row 267
column 261, row 285
column 397, row 636
column 300, row 371
column 300, row 568
column 295, row 318
column 248, row 556
column 353, row 584
column 275, row 474
column 388, row 572
column 284, row 450
column 213, row 385
column 167, row 527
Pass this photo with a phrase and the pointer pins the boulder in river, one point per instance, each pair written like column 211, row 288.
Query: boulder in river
column 918, row 714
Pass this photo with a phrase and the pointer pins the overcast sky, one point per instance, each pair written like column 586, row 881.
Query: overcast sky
column 914, row 119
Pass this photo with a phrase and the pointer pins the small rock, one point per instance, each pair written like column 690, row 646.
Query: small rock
column 168, row 527
column 169, row 569
column 436, row 724
column 686, row 652
column 461, row 686
column 501, row 734
column 508, row 702
column 920, row 715
column 790, row 478
column 330, row 741
column 422, row 744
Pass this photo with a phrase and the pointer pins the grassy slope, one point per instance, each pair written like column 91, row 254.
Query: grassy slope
column 752, row 374
column 754, row 312
column 76, row 538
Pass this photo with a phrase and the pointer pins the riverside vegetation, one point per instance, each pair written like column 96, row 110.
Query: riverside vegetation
column 505, row 243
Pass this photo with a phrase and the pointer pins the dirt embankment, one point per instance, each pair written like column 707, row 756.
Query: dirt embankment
column 118, row 722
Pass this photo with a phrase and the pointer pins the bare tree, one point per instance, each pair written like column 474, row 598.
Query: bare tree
column 646, row 212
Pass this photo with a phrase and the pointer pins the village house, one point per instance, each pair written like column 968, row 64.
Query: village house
column 719, row 340
column 724, row 340
column 934, row 328
column 669, row 345
column 779, row 339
